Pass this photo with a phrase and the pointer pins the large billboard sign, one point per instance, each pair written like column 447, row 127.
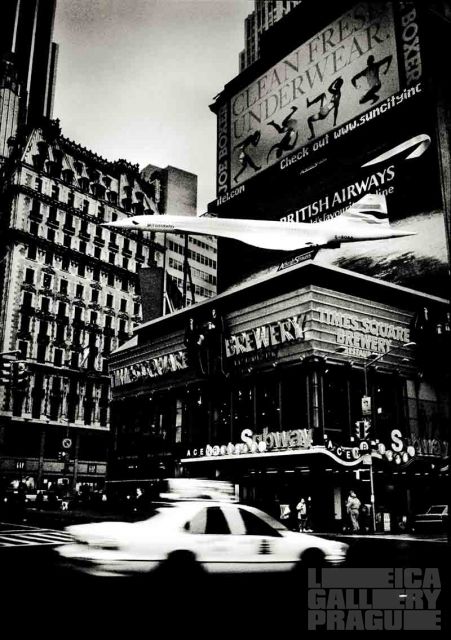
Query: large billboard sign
column 364, row 63
column 338, row 74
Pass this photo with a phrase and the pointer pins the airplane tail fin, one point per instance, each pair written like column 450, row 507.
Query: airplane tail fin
column 371, row 209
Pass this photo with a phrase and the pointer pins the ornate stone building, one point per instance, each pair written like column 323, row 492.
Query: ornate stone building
column 69, row 295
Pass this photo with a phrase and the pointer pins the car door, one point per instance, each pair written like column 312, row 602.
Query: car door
column 211, row 540
column 261, row 546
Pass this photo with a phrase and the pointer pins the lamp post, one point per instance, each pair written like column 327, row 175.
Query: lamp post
column 366, row 365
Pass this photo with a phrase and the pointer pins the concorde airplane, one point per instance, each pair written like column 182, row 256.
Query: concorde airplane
column 367, row 219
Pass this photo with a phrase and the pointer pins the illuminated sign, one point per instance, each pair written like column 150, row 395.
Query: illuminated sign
column 397, row 451
column 362, row 335
column 329, row 80
column 266, row 336
column 152, row 368
column 257, row 443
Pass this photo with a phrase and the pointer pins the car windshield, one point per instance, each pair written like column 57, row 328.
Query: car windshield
column 437, row 509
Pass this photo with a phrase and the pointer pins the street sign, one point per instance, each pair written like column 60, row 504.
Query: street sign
column 366, row 405
column 67, row 443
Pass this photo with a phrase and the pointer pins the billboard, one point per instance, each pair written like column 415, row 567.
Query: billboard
column 363, row 64
column 337, row 75
column 384, row 141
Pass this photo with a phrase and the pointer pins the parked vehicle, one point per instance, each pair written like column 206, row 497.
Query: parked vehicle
column 435, row 518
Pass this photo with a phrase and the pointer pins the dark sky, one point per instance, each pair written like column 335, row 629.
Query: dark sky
column 135, row 78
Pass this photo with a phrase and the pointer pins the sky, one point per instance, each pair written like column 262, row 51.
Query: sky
column 136, row 77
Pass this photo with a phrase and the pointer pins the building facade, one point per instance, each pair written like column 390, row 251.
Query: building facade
column 176, row 194
column 26, row 34
column 271, row 397
column 264, row 16
column 70, row 294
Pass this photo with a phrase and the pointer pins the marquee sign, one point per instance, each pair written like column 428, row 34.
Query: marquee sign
column 151, row 368
column 257, row 443
column 361, row 335
column 266, row 336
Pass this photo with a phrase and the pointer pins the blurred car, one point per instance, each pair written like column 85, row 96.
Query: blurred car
column 210, row 536
column 436, row 517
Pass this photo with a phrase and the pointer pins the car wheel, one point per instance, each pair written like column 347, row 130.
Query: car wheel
column 312, row 558
column 182, row 565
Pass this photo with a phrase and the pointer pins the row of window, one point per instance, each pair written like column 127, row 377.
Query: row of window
column 76, row 314
column 57, row 398
column 198, row 257
column 202, row 275
column 66, row 264
column 199, row 291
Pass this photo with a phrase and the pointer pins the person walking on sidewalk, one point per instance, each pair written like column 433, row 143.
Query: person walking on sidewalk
column 353, row 507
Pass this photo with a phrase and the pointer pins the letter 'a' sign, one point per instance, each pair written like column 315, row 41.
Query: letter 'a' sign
column 67, row 443
column 366, row 406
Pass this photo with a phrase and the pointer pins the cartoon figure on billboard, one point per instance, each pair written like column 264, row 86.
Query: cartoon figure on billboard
column 371, row 74
column 244, row 157
column 326, row 106
column 289, row 140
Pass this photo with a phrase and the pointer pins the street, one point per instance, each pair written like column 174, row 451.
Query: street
column 32, row 573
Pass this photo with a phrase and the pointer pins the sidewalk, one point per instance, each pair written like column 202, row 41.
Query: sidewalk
column 383, row 535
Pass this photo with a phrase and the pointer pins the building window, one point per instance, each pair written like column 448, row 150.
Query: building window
column 34, row 229
column 63, row 286
column 29, row 276
column 23, row 348
column 47, row 281
column 65, row 263
column 82, row 247
column 136, row 309
column 125, row 263
column 53, row 215
column 31, row 252
column 96, row 274
column 124, row 284
column 108, row 322
column 62, row 309
column 41, row 353
column 45, row 305
column 111, row 257
column 123, row 305
column 81, row 270
column 58, row 357
column 94, row 295
column 67, row 241
column 109, row 300
column 27, row 300
column 97, row 253
column 38, row 184
column 51, row 235
column 77, row 314
column 70, row 199
column 79, row 291
column 110, row 279
column 55, row 191
column 93, row 319
column 74, row 360
column 101, row 212
column 85, row 206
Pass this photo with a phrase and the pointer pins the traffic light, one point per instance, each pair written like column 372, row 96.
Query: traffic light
column 362, row 429
column 7, row 371
column 20, row 375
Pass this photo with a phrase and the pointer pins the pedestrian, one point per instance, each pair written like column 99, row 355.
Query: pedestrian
column 301, row 508
column 352, row 508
